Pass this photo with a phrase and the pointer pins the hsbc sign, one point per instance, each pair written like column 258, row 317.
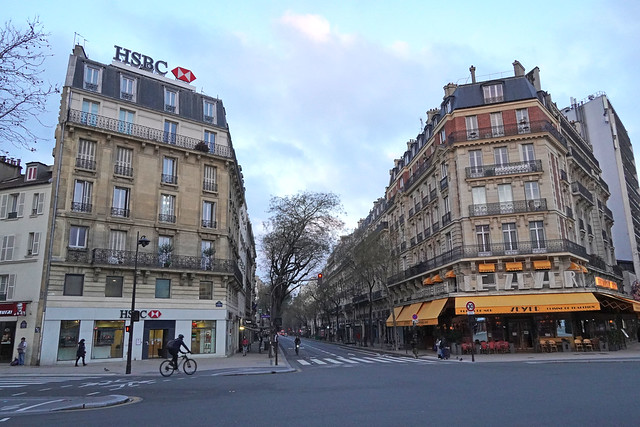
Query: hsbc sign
column 147, row 63
column 151, row 314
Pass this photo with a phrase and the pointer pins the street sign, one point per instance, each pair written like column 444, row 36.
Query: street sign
column 471, row 307
column 414, row 317
column 265, row 316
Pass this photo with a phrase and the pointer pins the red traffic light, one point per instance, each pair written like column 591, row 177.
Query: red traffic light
column 127, row 328
column 319, row 275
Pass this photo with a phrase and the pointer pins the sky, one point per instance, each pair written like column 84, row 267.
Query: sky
column 323, row 96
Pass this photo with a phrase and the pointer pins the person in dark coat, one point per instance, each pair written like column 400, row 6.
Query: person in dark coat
column 82, row 351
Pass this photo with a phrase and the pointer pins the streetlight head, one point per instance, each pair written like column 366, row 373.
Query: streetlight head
column 143, row 241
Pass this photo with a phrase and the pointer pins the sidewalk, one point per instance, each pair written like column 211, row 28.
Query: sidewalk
column 632, row 352
column 252, row 363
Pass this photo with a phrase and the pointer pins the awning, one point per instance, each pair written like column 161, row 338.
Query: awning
column 450, row 274
column 635, row 305
column 530, row 303
column 575, row 267
column 486, row 268
column 406, row 317
column 428, row 314
column 437, row 279
column 397, row 311
column 584, row 269
column 542, row 265
column 427, row 281
column 513, row 266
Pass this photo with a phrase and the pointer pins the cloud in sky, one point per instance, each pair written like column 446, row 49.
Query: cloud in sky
column 323, row 97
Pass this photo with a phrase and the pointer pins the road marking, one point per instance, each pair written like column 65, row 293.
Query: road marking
column 393, row 359
column 304, row 362
column 45, row 389
column 3, row 420
column 19, row 394
column 39, row 404
column 319, row 362
column 335, row 362
column 377, row 360
column 91, row 394
column 361, row 360
column 344, row 359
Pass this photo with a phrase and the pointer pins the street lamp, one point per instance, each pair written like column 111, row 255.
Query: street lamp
column 140, row 241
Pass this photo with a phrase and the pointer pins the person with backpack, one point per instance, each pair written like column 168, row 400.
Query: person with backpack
column 174, row 346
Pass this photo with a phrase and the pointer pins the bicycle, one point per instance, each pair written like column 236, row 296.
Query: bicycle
column 189, row 366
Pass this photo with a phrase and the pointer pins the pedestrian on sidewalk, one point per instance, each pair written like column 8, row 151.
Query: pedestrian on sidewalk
column 22, row 348
column 245, row 345
column 82, row 351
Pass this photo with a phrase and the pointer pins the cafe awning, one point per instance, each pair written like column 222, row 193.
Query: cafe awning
column 486, row 268
column 627, row 304
column 450, row 274
column 397, row 311
column 542, row 265
column 575, row 267
column 529, row 303
column 428, row 314
column 406, row 317
column 513, row 266
column 437, row 279
column 427, row 281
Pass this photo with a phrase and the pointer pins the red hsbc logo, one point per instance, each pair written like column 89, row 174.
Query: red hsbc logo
column 183, row 74
column 154, row 314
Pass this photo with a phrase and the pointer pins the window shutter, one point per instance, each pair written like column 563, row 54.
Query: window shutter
column 40, row 202
column 11, row 286
column 21, row 204
column 35, row 247
column 3, row 206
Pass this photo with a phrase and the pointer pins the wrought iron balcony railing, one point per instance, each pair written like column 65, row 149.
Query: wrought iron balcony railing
column 123, row 170
column 515, row 168
column 208, row 223
column 169, row 179
column 515, row 206
column 121, row 212
column 88, row 164
column 167, row 218
column 209, row 186
column 506, row 130
column 578, row 188
column 81, row 207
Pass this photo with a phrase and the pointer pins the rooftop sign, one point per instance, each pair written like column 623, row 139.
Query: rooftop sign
column 147, row 63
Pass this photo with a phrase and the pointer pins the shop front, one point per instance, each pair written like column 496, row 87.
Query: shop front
column 11, row 316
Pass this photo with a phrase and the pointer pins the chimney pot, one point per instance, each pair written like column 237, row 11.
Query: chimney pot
column 472, row 69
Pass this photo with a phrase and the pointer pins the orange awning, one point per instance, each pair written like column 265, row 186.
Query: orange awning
column 486, row 268
column 406, row 317
column 450, row 274
column 427, row 281
column 428, row 314
column 513, row 266
column 397, row 311
column 529, row 303
column 584, row 269
column 542, row 265
column 437, row 279
column 575, row 267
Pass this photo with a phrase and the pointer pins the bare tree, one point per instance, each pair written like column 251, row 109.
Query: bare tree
column 23, row 93
column 299, row 235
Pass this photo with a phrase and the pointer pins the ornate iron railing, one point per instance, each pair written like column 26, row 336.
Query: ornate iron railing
column 514, row 206
column 514, row 168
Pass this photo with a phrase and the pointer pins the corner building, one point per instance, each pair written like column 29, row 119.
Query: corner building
column 498, row 217
column 140, row 156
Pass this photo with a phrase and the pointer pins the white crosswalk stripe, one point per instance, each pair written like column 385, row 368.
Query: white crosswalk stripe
column 318, row 361
column 341, row 360
column 304, row 362
column 362, row 360
column 335, row 362
column 344, row 359
column 17, row 382
column 377, row 360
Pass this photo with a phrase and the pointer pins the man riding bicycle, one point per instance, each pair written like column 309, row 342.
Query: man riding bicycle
column 173, row 347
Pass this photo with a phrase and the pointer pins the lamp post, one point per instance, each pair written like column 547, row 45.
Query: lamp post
column 140, row 241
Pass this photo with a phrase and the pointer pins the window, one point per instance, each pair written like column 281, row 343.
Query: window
column 472, row 127
column 33, row 244
column 89, row 113
column 12, row 205
column 207, row 251
column 203, row 336
column 113, row 287
column 91, row 78
column 209, row 112
column 443, row 136
column 120, row 205
column 169, row 171
column 492, row 93
column 163, row 288
column 536, row 230
column 522, row 118
column 37, row 204
column 73, row 284
column 86, row 158
column 123, row 165
column 445, row 203
column 501, row 156
column 170, row 101
column 208, row 214
column 6, row 250
column 528, row 154
column 448, row 241
column 78, row 237
column 68, row 341
column 210, row 140
column 117, row 240
column 108, row 337
column 531, row 190
column 497, row 126
column 167, row 208
column 505, row 197
column 479, row 197
column 165, row 250
column 475, row 162
column 206, row 290
column 443, row 170
column 510, row 236
column 7, row 286
column 127, row 88
column 125, row 122
column 32, row 173
column 170, row 132
column 210, row 178
column 82, row 196
column 482, row 238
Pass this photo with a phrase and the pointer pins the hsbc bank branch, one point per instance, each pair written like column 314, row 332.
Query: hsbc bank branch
column 104, row 332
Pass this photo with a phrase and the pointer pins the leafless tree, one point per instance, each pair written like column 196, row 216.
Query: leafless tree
column 299, row 235
column 23, row 93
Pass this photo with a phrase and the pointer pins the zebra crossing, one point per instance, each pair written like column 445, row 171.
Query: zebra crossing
column 360, row 360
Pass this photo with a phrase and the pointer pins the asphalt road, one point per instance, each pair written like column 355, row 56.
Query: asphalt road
column 356, row 394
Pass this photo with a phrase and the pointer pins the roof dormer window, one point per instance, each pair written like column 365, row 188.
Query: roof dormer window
column 32, row 173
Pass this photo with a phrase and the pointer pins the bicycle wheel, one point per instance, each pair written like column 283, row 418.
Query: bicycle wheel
column 166, row 368
column 189, row 366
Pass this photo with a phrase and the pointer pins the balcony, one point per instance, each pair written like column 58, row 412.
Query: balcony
column 444, row 183
column 88, row 164
column 12, row 215
column 580, row 160
column 569, row 212
column 210, row 186
column 81, row 207
column 516, row 206
column 126, row 96
column 578, row 189
column 169, row 179
column 563, row 175
column 446, row 219
column 123, row 170
column 419, row 237
column 433, row 194
column 417, row 207
column 167, row 218
column 120, row 212
column 515, row 168
column 435, row 227
column 208, row 223
column 506, row 130
column 143, row 132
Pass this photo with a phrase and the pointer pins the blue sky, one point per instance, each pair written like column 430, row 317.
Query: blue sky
column 322, row 96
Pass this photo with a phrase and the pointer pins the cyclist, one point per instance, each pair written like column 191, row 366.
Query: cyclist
column 297, row 343
column 174, row 346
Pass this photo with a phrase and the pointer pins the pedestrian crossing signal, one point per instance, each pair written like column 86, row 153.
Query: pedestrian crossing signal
column 319, row 278
column 127, row 328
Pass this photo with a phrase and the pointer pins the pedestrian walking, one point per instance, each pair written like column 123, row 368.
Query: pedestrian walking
column 245, row 345
column 82, row 351
column 22, row 349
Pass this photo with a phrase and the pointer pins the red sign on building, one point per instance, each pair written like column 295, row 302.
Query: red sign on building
column 183, row 74
column 13, row 309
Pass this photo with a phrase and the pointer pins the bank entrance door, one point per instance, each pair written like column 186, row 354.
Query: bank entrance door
column 520, row 333
column 155, row 337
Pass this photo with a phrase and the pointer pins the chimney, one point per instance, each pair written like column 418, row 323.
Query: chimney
column 534, row 78
column 431, row 113
column 449, row 89
column 472, row 69
column 518, row 69
column 79, row 51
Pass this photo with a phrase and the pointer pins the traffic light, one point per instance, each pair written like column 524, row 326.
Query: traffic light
column 319, row 279
column 127, row 329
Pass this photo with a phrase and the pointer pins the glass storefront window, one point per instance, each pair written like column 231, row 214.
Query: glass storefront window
column 203, row 336
column 563, row 328
column 68, row 343
column 108, row 337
